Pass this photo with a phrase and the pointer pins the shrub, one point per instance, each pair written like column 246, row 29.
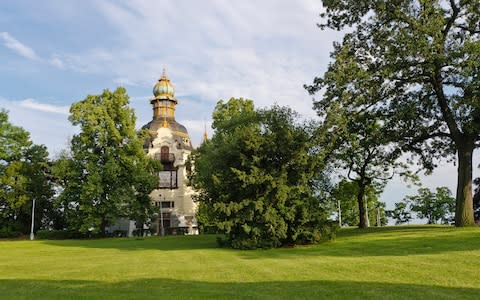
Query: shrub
column 59, row 235
column 9, row 232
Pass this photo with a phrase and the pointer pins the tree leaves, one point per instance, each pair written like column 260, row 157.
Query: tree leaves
column 254, row 177
column 415, row 66
column 108, row 174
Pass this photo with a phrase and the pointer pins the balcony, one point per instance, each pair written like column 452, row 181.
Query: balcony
column 165, row 158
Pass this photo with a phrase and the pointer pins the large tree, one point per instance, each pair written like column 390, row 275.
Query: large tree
column 357, row 133
column 36, row 169
column 425, row 58
column 255, row 177
column 107, row 175
column 23, row 177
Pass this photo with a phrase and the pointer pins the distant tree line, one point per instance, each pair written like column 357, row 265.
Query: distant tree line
column 438, row 206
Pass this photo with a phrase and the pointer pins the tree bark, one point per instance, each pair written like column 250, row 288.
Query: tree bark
column 103, row 226
column 464, row 197
column 361, row 206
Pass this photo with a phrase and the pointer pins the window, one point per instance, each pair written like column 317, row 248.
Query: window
column 168, row 204
column 167, row 179
column 166, row 158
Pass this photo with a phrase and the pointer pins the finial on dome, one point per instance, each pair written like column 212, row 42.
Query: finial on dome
column 164, row 89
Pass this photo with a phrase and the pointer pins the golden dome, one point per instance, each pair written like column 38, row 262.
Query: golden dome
column 164, row 89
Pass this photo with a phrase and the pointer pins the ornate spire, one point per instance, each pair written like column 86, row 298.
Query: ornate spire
column 164, row 101
column 205, row 134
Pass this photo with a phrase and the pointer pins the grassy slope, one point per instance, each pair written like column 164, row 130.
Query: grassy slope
column 384, row 263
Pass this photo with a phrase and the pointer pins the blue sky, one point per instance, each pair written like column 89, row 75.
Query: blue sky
column 53, row 53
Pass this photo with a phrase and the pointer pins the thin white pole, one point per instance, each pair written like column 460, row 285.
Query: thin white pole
column 161, row 220
column 339, row 214
column 366, row 213
column 379, row 219
column 32, row 236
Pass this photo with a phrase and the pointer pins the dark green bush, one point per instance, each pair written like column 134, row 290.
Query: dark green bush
column 59, row 235
column 9, row 232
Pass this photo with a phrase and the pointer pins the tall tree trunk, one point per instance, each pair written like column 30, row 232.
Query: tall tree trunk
column 361, row 205
column 464, row 201
column 103, row 226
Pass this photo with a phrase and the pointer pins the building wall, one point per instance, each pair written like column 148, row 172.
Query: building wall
column 184, row 208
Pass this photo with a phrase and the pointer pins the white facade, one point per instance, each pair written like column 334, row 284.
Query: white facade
column 170, row 143
column 173, row 196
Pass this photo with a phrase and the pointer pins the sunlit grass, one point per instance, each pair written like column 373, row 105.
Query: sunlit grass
column 423, row 262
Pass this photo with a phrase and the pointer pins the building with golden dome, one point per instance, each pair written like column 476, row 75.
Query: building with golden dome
column 170, row 143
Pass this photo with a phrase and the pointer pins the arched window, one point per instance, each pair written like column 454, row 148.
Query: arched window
column 164, row 152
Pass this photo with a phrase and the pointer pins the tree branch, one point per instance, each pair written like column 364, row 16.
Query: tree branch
column 452, row 19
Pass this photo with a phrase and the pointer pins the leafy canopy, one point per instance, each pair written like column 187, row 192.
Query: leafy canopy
column 254, row 177
column 417, row 64
column 107, row 174
column 433, row 206
column 24, row 177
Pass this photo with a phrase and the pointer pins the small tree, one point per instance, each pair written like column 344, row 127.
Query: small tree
column 433, row 206
column 345, row 195
column 400, row 213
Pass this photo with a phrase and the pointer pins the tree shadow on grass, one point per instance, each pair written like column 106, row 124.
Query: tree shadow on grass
column 177, row 289
column 148, row 243
column 388, row 241
column 354, row 231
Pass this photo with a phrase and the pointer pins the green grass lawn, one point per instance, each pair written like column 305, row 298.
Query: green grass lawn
column 421, row 262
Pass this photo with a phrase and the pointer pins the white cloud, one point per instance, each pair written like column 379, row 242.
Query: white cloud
column 264, row 51
column 35, row 105
column 47, row 124
column 23, row 50
column 57, row 62
column 196, row 130
column 124, row 81
column 15, row 45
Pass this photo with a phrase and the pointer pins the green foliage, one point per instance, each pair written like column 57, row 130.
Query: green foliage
column 10, row 231
column 255, row 177
column 206, row 218
column 354, row 130
column 417, row 65
column 106, row 175
column 434, row 206
column 400, row 214
column 59, row 235
column 24, row 176
column 345, row 195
